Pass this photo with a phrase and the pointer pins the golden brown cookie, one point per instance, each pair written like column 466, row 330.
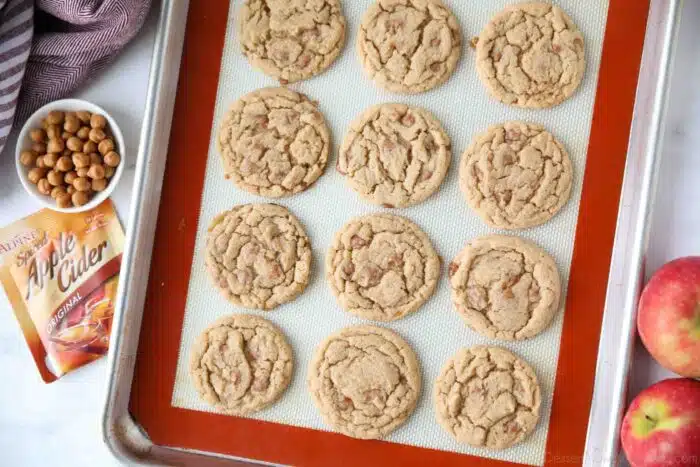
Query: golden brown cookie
column 241, row 364
column 395, row 155
column 382, row 267
column 505, row 287
column 409, row 46
column 531, row 55
column 258, row 255
column 487, row 397
column 365, row 381
column 516, row 175
column 274, row 142
column 292, row 40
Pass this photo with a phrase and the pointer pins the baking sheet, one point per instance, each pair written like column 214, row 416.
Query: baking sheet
column 436, row 331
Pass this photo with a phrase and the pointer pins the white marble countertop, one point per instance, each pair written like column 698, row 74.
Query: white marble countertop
column 58, row 424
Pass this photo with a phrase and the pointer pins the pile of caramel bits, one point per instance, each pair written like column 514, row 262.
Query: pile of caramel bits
column 72, row 157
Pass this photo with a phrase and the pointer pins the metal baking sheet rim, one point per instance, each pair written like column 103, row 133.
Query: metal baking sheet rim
column 128, row 443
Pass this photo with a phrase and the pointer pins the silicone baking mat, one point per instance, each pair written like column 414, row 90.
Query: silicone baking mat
column 186, row 301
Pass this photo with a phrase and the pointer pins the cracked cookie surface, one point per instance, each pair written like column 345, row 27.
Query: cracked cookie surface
column 395, row 155
column 409, row 46
column 258, row 255
column 292, row 40
column 382, row 267
column 365, row 381
column 531, row 55
column 516, row 175
column 505, row 287
column 241, row 364
column 274, row 142
column 487, row 397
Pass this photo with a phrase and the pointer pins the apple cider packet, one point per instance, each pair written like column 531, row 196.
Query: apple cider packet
column 60, row 273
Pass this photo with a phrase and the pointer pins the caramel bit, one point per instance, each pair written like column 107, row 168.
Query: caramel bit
column 473, row 42
column 304, row 60
column 452, row 268
column 357, row 242
column 263, row 121
column 348, row 268
column 396, row 261
column 513, row 135
column 394, row 26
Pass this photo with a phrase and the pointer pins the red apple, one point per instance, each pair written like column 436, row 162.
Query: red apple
column 669, row 316
column 662, row 425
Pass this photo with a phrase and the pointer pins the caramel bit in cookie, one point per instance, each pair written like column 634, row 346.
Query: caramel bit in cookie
column 505, row 287
column 365, row 381
column 382, row 267
column 410, row 46
column 292, row 41
column 487, row 397
column 395, row 155
column 258, row 255
column 274, row 143
column 516, row 175
column 357, row 242
column 348, row 268
column 452, row 268
column 241, row 364
column 531, row 55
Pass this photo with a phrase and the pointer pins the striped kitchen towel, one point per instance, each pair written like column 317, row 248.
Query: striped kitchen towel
column 73, row 40
column 15, row 42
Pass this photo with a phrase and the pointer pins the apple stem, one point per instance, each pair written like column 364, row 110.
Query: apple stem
column 652, row 421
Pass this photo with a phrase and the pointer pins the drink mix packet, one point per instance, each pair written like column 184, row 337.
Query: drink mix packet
column 60, row 273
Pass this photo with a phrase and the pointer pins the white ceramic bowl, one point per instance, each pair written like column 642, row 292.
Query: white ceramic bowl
column 24, row 143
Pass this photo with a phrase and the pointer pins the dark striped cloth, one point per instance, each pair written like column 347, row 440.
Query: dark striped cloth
column 73, row 40
column 16, row 23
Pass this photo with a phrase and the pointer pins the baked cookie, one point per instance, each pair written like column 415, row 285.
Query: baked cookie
column 258, row 255
column 274, row 142
column 395, row 155
column 241, row 364
column 409, row 46
column 516, row 175
column 531, row 55
column 365, row 380
column 505, row 287
column 382, row 267
column 291, row 40
column 487, row 397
